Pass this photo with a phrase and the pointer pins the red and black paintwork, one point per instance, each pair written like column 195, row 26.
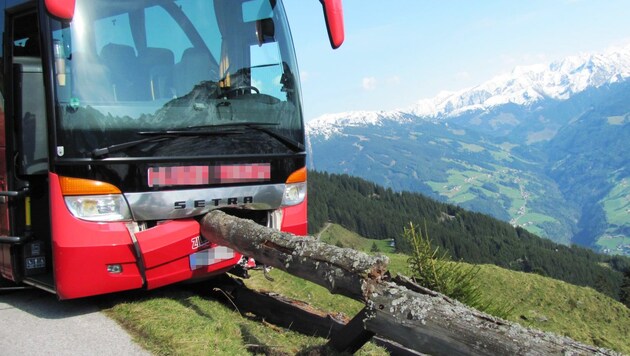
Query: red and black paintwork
column 76, row 252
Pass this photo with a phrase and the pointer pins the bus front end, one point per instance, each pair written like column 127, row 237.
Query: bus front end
column 163, row 111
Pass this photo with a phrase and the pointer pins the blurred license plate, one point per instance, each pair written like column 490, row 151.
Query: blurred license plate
column 210, row 256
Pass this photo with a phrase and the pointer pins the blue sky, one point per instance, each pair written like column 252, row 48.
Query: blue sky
column 399, row 51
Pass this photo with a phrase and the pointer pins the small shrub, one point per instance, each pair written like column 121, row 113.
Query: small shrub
column 436, row 271
column 624, row 294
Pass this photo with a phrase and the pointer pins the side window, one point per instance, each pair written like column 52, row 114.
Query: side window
column 29, row 112
column 25, row 37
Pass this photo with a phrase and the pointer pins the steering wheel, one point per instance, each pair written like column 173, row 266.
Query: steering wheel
column 241, row 90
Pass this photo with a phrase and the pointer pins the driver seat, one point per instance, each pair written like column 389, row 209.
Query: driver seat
column 194, row 67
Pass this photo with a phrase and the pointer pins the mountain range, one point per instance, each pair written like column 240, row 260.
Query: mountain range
column 544, row 147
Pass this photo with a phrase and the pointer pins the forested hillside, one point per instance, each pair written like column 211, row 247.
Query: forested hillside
column 375, row 212
column 555, row 165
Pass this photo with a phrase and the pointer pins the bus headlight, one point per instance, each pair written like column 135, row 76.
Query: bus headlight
column 295, row 188
column 99, row 207
column 94, row 200
column 294, row 194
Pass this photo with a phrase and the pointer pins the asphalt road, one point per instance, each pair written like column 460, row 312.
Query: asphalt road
column 34, row 322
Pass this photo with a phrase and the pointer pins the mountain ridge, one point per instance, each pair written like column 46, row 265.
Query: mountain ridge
column 525, row 85
column 556, row 165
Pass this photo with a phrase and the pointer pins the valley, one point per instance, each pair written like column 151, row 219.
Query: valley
column 554, row 163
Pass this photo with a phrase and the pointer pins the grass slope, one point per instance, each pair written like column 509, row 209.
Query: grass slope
column 176, row 321
column 539, row 302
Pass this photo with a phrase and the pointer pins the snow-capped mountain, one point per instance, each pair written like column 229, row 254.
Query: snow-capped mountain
column 543, row 147
column 330, row 124
column 523, row 86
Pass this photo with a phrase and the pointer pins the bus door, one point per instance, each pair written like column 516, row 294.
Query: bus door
column 26, row 133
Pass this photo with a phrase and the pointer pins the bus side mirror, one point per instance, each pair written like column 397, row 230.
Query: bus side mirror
column 62, row 9
column 333, row 13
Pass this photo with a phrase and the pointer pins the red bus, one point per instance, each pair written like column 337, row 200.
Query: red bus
column 125, row 121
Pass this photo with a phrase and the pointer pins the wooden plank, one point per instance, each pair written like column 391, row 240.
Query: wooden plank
column 352, row 336
column 288, row 313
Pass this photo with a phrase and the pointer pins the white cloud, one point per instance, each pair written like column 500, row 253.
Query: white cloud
column 393, row 80
column 369, row 83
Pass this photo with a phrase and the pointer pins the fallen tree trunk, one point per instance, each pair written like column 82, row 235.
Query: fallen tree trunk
column 340, row 270
column 396, row 309
column 436, row 324
column 288, row 313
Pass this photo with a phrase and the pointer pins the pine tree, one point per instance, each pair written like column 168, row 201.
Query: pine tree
column 624, row 294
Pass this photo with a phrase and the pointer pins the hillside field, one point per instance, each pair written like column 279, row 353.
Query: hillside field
column 177, row 321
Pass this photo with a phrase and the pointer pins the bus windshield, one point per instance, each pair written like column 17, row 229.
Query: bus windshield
column 125, row 67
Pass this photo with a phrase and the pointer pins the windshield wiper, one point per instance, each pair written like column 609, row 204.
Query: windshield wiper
column 100, row 152
column 260, row 126
column 154, row 136
column 189, row 131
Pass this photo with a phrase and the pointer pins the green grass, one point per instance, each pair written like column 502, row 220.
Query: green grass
column 535, row 219
column 177, row 321
column 174, row 321
column 501, row 155
column 459, row 182
column 543, row 135
column 613, row 244
column 471, row 147
column 536, row 301
column 555, row 306
column 616, row 206
column 511, row 190
column 617, row 120
column 508, row 146
column 336, row 235
column 617, row 203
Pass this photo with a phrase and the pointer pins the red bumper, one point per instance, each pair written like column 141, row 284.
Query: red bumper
column 294, row 219
column 83, row 250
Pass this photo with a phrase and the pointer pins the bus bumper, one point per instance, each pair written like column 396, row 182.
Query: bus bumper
column 294, row 219
column 92, row 258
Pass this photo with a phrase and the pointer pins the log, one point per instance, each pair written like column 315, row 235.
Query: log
column 341, row 270
column 274, row 308
column 396, row 309
column 435, row 324
column 289, row 313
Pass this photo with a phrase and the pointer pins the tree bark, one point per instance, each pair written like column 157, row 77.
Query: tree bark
column 435, row 324
column 396, row 309
column 341, row 270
